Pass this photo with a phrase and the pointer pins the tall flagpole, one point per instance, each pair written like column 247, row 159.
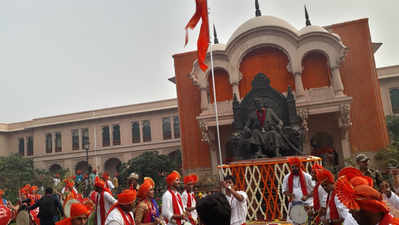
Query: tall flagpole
column 214, row 98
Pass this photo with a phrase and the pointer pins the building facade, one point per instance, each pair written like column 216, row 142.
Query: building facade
column 331, row 70
column 111, row 136
column 389, row 83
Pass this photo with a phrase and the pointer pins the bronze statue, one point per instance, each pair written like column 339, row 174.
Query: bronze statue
column 265, row 123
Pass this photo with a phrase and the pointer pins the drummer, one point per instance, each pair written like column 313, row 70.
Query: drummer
column 297, row 185
column 79, row 214
column 49, row 205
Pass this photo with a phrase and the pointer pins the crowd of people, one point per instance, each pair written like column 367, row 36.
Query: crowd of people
column 354, row 197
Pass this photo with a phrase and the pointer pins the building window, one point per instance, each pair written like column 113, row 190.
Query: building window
column 75, row 139
column 106, row 138
column 49, row 143
column 135, row 132
column 394, row 94
column 85, row 138
column 58, row 142
column 21, row 146
column 30, row 146
column 116, row 135
column 146, row 131
column 166, row 128
column 176, row 126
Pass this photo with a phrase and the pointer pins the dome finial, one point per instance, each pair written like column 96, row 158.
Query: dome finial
column 257, row 12
column 215, row 35
column 307, row 17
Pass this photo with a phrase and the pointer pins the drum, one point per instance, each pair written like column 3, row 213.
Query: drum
column 5, row 215
column 23, row 218
column 67, row 207
column 298, row 213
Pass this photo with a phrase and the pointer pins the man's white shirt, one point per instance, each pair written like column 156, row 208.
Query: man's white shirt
column 115, row 218
column 110, row 184
column 342, row 210
column 393, row 202
column 167, row 206
column 322, row 196
column 296, row 187
column 185, row 197
column 109, row 200
column 239, row 209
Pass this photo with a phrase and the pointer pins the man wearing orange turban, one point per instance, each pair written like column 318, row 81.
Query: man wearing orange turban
column 189, row 198
column 79, row 214
column 319, row 195
column 147, row 211
column 104, row 200
column 172, row 204
column 121, row 212
column 365, row 203
column 108, row 182
column 297, row 185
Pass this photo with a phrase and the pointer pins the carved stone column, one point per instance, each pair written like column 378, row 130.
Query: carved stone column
column 337, row 82
column 204, row 99
column 304, row 114
column 299, row 90
column 236, row 90
column 345, row 124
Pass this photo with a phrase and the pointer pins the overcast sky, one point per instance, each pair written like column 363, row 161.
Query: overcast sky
column 64, row 56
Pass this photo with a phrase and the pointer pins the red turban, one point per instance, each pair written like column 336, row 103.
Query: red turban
column 1, row 192
column 172, row 177
column 145, row 187
column 105, row 175
column 126, row 197
column 191, row 179
column 295, row 161
column 78, row 209
column 324, row 175
column 359, row 197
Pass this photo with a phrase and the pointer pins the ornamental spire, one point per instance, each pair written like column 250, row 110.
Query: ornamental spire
column 215, row 35
column 307, row 17
column 257, row 12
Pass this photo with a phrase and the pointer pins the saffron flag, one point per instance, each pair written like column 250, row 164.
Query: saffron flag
column 201, row 12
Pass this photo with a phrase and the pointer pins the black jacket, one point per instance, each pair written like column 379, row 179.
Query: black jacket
column 49, row 206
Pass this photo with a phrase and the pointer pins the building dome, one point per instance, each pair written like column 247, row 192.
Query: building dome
column 262, row 21
column 312, row 29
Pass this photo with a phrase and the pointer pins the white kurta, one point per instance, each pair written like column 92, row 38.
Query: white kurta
column 115, row 218
column 239, row 209
column 185, row 197
column 322, row 197
column 393, row 200
column 110, row 184
column 349, row 220
column 343, row 212
column 167, row 207
column 296, row 187
column 109, row 200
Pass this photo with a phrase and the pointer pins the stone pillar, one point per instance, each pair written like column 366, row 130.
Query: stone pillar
column 204, row 99
column 299, row 90
column 345, row 145
column 337, row 82
column 236, row 90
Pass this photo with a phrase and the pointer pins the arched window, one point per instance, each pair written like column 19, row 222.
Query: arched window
column 135, row 132
column 146, row 131
column 166, row 128
column 49, row 143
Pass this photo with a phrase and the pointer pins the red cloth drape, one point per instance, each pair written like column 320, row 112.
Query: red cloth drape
column 331, row 205
column 176, row 201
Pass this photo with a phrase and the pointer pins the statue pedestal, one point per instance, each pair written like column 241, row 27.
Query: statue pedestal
column 262, row 180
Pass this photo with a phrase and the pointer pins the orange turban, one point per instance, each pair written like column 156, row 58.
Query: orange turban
column 99, row 183
column 191, row 179
column 78, row 209
column 359, row 197
column 361, row 180
column 349, row 172
column 172, row 177
column 145, row 187
column 295, row 161
column 1, row 192
column 126, row 197
column 324, row 175
column 34, row 188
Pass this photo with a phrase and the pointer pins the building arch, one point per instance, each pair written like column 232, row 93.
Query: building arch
column 82, row 166
column 112, row 165
column 316, row 70
column 224, row 89
column 55, row 168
